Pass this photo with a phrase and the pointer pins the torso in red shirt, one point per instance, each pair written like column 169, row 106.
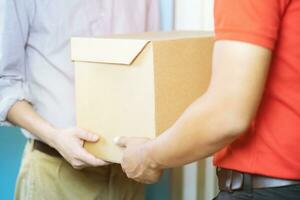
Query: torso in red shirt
column 271, row 147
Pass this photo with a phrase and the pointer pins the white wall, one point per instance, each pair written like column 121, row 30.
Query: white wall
column 194, row 14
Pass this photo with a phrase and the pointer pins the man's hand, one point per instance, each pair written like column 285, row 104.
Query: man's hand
column 69, row 143
column 136, row 162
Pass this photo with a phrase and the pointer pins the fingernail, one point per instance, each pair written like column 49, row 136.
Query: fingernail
column 95, row 137
column 116, row 140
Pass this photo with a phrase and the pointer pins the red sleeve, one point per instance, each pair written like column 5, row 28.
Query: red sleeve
column 253, row 21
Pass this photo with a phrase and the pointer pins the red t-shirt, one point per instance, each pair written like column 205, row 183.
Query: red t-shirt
column 271, row 147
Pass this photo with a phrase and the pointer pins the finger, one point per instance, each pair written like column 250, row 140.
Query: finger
column 149, row 178
column 121, row 141
column 77, row 164
column 139, row 180
column 84, row 135
column 144, row 181
column 126, row 141
column 89, row 159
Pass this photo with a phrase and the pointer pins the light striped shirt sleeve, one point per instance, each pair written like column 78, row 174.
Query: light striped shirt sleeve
column 14, row 28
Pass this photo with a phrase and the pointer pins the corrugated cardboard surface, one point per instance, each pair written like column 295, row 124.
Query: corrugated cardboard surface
column 123, row 94
column 182, row 73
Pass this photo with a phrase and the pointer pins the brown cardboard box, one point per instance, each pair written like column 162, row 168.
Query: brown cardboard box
column 137, row 85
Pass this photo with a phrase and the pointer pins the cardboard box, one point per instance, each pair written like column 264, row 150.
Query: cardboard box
column 137, row 85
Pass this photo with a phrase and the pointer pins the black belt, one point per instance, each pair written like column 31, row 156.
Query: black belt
column 42, row 147
column 230, row 180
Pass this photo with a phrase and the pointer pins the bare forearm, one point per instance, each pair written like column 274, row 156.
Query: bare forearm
column 202, row 130
column 239, row 72
column 23, row 115
column 226, row 110
column 68, row 142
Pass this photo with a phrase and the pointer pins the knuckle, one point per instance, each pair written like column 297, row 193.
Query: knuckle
column 89, row 161
column 74, row 167
column 76, row 164
column 73, row 163
column 94, row 162
column 88, row 136
column 75, row 156
column 132, row 176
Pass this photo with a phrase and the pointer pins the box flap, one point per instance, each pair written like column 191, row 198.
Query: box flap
column 162, row 36
column 106, row 50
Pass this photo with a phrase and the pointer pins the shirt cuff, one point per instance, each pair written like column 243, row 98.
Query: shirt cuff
column 5, row 106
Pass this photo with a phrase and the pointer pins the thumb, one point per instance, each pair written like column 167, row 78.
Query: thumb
column 121, row 141
column 90, row 137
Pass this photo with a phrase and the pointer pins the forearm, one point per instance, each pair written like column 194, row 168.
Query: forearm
column 203, row 129
column 239, row 74
column 23, row 115
column 214, row 120
column 68, row 142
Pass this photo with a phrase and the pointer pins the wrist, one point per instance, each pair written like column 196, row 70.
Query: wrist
column 49, row 135
column 151, row 157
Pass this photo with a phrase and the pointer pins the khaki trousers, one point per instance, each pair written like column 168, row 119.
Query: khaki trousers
column 43, row 177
